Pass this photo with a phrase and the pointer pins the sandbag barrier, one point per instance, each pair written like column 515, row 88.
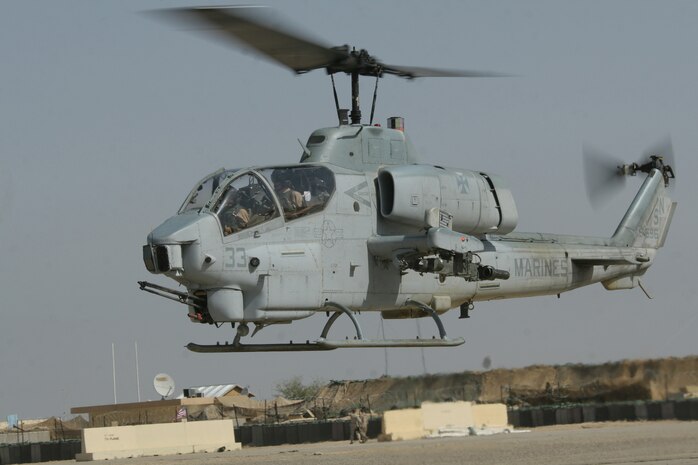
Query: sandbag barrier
column 686, row 410
column 298, row 433
column 39, row 452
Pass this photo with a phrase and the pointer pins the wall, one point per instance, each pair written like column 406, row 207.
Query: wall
column 436, row 415
column 427, row 420
column 158, row 439
column 27, row 436
column 403, row 424
column 492, row 415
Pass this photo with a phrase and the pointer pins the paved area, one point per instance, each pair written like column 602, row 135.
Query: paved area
column 646, row 443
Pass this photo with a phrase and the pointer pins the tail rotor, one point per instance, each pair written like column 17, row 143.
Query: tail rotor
column 605, row 175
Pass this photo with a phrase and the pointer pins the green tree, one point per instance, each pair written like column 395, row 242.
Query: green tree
column 293, row 388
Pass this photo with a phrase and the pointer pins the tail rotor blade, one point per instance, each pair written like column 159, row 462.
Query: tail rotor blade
column 601, row 175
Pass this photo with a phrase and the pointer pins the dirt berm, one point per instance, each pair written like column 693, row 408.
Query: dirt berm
column 625, row 380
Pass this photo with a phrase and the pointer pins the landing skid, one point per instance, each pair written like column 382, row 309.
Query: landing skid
column 324, row 344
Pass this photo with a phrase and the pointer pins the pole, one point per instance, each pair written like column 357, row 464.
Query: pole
column 113, row 369
column 421, row 349
column 138, row 379
column 385, row 349
column 355, row 108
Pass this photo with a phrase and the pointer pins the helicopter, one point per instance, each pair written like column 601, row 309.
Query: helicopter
column 359, row 224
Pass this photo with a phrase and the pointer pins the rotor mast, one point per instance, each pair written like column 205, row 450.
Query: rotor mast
column 355, row 107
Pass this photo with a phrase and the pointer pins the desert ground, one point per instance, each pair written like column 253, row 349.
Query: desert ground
column 647, row 443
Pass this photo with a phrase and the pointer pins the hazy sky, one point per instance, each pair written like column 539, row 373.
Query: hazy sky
column 108, row 118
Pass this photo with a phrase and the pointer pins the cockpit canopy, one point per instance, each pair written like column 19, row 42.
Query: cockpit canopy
column 202, row 193
column 244, row 199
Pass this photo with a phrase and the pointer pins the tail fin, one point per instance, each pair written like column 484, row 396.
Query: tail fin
column 647, row 221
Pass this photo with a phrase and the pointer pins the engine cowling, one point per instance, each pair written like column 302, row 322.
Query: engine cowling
column 427, row 196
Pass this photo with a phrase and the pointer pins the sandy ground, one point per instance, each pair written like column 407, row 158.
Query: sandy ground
column 647, row 443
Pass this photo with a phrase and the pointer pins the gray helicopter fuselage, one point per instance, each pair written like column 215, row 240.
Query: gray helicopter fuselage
column 365, row 244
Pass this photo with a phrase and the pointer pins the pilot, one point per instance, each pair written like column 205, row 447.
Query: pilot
column 291, row 199
column 235, row 217
column 319, row 193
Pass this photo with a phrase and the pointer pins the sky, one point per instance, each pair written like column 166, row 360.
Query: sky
column 108, row 118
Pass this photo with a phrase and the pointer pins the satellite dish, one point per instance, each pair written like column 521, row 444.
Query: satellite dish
column 164, row 384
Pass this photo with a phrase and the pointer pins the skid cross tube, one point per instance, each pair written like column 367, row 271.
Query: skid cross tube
column 432, row 313
column 341, row 309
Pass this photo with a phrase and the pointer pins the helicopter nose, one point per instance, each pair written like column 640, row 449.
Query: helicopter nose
column 180, row 229
column 166, row 244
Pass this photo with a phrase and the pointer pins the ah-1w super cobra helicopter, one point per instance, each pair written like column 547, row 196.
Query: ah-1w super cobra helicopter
column 360, row 225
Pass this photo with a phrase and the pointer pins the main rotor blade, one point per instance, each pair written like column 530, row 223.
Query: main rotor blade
column 257, row 28
column 260, row 29
column 602, row 176
column 411, row 72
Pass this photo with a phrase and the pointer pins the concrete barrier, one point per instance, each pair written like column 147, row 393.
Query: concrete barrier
column 403, row 424
column 490, row 415
column 158, row 439
column 448, row 414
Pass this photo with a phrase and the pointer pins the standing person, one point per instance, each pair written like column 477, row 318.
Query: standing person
column 354, row 421
column 357, row 426
column 363, row 426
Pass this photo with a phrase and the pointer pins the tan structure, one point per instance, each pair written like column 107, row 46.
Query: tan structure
column 437, row 415
column 490, row 415
column 138, row 413
column 28, row 436
column 160, row 439
column 403, row 424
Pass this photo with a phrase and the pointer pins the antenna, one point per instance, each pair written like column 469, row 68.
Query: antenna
column 113, row 369
column 138, row 377
column 164, row 385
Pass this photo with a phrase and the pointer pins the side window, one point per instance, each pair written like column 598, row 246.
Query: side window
column 244, row 203
column 301, row 190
